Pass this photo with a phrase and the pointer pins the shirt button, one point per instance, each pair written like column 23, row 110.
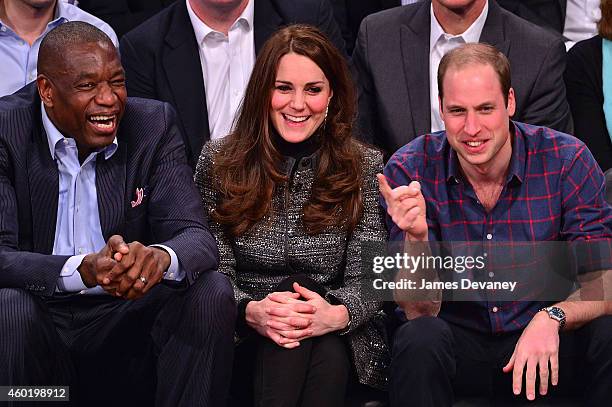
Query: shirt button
column 494, row 309
column 82, row 292
column 65, row 141
column 171, row 275
column 3, row 29
column 80, row 250
column 489, row 236
column 491, row 274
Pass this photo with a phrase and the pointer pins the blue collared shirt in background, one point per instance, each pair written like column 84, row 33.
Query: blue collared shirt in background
column 19, row 59
column 78, row 231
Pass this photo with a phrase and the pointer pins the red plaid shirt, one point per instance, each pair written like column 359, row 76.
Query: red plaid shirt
column 554, row 191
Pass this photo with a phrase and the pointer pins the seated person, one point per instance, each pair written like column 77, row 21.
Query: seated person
column 587, row 76
column 487, row 179
column 98, row 209
column 398, row 51
column 294, row 199
column 199, row 54
column 23, row 25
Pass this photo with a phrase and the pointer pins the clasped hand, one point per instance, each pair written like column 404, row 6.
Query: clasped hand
column 119, row 267
column 286, row 319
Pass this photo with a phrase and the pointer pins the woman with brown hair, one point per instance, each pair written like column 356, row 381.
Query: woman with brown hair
column 293, row 202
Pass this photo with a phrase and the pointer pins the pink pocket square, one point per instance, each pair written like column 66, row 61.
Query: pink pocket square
column 139, row 197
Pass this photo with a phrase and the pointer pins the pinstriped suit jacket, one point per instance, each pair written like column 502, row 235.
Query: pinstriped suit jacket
column 150, row 156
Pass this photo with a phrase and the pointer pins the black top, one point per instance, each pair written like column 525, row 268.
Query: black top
column 296, row 150
column 583, row 79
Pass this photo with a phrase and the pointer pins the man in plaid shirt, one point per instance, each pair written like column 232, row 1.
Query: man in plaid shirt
column 486, row 179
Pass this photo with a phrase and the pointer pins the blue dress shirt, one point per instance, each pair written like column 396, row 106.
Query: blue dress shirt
column 19, row 59
column 78, row 231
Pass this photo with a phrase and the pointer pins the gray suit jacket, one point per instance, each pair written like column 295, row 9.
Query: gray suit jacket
column 391, row 67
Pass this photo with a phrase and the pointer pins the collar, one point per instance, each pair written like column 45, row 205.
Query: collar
column 516, row 168
column 54, row 136
column 202, row 30
column 62, row 11
column 471, row 35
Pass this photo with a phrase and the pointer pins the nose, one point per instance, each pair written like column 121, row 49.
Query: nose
column 472, row 124
column 105, row 95
column 297, row 101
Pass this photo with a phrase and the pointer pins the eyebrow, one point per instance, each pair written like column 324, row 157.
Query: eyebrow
column 89, row 75
column 480, row 106
column 307, row 84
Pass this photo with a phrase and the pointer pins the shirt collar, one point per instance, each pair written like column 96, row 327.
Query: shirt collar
column 202, row 30
column 61, row 11
column 54, row 136
column 516, row 168
column 472, row 34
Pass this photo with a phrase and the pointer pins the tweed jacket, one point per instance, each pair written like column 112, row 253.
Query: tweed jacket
column 278, row 247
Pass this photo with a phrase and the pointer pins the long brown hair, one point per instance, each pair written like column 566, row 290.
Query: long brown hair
column 248, row 166
column 605, row 24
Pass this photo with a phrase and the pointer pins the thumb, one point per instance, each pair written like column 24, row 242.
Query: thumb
column 117, row 247
column 383, row 186
column 510, row 364
column 305, row 292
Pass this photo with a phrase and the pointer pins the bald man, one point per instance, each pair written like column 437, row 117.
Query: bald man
column 107, row 280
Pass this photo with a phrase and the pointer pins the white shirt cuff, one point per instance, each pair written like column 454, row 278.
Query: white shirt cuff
column 70, row 279
column 175, row 271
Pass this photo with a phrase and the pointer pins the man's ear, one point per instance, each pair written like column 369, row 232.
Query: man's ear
column 511, row 108
column 45, row 90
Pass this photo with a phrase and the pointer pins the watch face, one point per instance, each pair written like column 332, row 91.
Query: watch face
column 557, row 314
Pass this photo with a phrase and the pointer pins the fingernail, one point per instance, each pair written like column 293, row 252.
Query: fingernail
column 516, row 391
column 530, row 396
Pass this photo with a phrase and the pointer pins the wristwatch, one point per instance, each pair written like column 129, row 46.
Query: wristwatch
column 557, row 314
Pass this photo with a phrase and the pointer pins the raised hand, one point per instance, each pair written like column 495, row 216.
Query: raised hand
column 406, row 206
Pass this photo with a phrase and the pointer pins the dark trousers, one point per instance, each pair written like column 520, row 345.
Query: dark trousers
column 173, row 347
column 434, row 360
column 313, row 374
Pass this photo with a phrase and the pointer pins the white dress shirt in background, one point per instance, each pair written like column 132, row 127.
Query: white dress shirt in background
column 227, row 62
column 439, row 44
column 581, row 17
